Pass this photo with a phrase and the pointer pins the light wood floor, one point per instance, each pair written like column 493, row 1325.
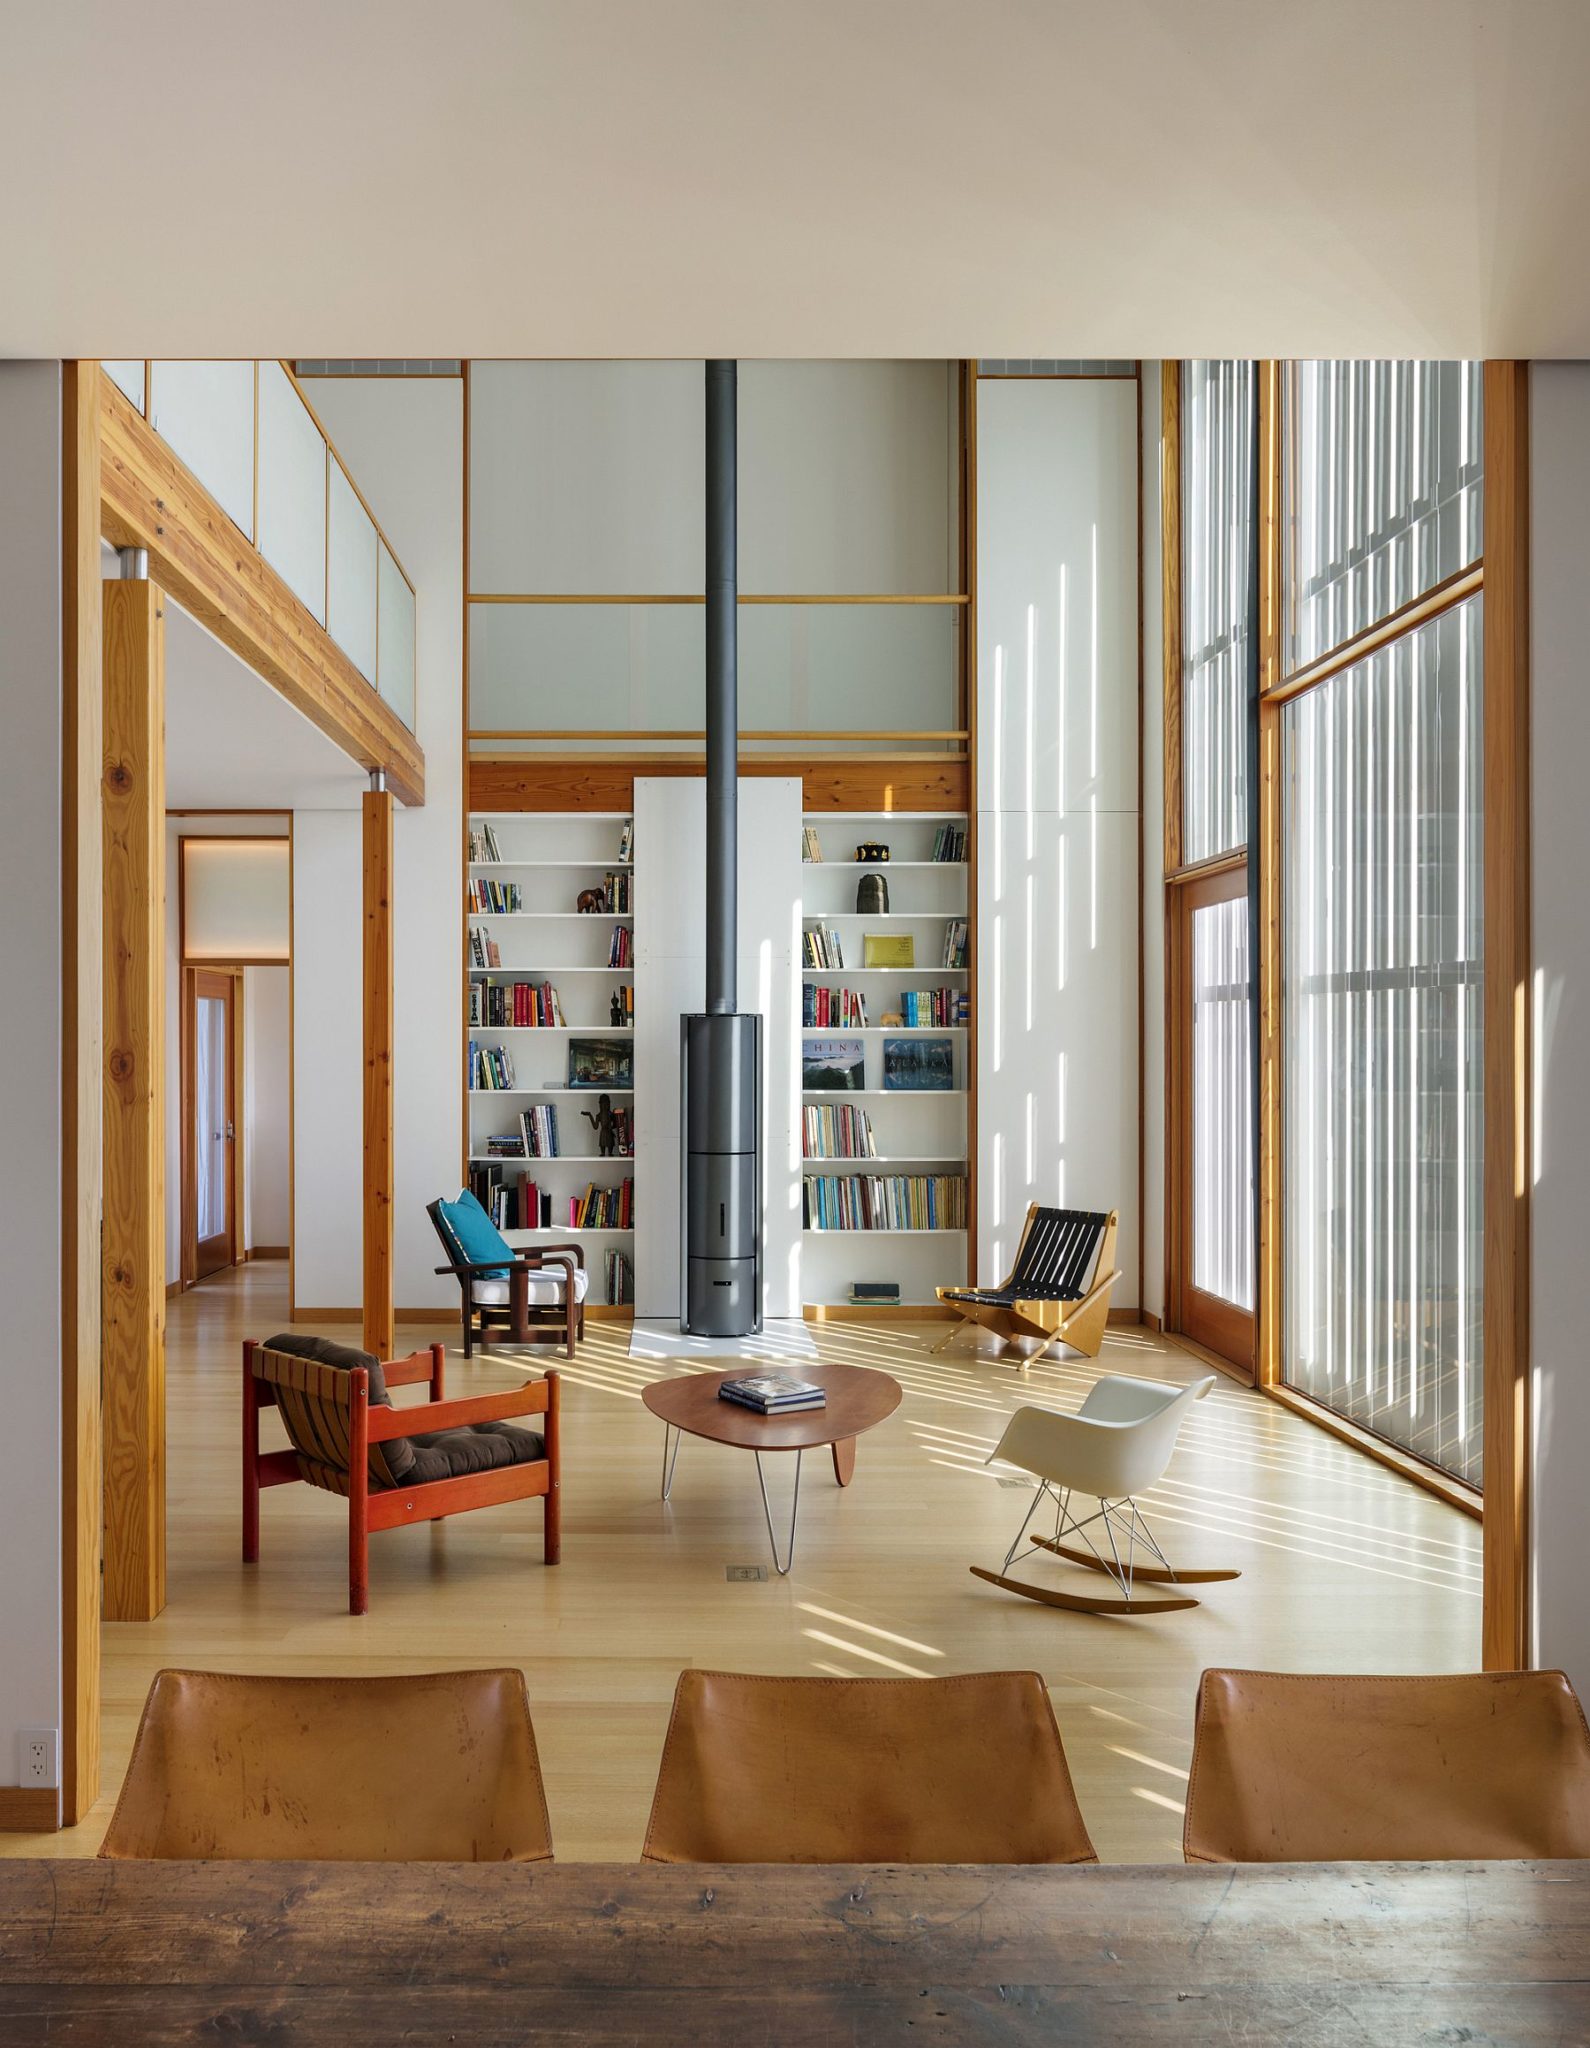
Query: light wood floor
column 1346, row 1567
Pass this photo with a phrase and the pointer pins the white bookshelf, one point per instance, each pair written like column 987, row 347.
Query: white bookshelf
column 915, row 1131
column 551, row 857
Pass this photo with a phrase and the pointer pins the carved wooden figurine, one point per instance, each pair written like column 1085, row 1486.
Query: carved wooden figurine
column 605, row 1125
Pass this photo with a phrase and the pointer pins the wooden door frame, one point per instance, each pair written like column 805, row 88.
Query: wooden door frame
column 1229, row 1333
column 233, row 975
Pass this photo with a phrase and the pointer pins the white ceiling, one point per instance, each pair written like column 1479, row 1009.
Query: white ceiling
column 1055, row 178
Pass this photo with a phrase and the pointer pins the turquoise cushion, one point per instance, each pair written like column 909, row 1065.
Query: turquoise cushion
column 477, row 1237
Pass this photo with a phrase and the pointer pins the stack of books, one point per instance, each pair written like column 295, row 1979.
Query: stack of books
column 926, row 1009
column 955, row 942
column 618, row 893
column 621, row 947
column 811, row 850
column 620, row 1279
column 772, row 1393
column 836, row 1131
column 490, row 1067
column 831, row 1009
column 821, row 947
column 603, row 1208
column 503, row 899
column 483, row 949
column 949, row 843
column 539, row 1127
column 518, row 1005
column 894, row 1201
column 483, row 846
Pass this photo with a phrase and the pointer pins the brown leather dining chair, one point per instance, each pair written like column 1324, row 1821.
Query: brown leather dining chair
column 864, row 1770
column 1288, row 1768
column 438, row 1767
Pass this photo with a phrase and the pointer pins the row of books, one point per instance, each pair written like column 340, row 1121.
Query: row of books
column 621, row 1004
column 538, row 1127
column 490, row 1067
column 955, row 942
column 821, row 947
column 519, row 1005
column 603, row 1208
column 837, row 1130
column 931, row 1009
column 886, row 1201
column 483, row 845
column 949, row 843
column 621, row 947
column 483, row 949
column 618, row 893
column 500, row 899
column 811, row 846
column 619, row 1278
column 833, row 1009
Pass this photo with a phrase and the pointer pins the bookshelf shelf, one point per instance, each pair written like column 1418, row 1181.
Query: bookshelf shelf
column 918, row 1132
column 544, row 860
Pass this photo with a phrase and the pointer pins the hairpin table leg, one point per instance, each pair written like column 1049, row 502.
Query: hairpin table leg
column 794, row 1511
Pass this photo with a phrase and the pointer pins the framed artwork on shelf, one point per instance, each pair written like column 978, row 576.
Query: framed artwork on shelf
column 833, row 1064
column 922, row 1066
column 883, row 949
column 600, row 1063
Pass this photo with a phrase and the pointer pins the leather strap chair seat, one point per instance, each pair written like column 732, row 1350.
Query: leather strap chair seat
column 864, row 1770
column 1301, row 1769
column 438, row 1767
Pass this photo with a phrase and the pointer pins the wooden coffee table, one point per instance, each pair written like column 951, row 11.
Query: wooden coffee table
column 688, row 1405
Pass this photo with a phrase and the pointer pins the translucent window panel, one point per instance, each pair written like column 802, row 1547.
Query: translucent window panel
column 1383, row 1113
column 351, row 575
column 209, row 1114
column 204, row 412
column 1217, row 429
column 1222, row 1052
column 236, row 898
column 848, row 473
column 802, row 668
column 395, row 644
column 586, row 478
column 1381, row 491
column 128, row 377
column 292, row 489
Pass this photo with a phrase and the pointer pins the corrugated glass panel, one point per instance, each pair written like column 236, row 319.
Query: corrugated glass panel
column 1217, row 428
column 1222, row 1103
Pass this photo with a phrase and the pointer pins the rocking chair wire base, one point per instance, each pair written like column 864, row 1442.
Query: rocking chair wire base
column 1124, row 1527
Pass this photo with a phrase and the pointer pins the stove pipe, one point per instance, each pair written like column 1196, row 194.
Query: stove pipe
column 721, row 1078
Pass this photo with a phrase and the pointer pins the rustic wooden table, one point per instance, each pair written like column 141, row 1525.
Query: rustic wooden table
column 354, row 1954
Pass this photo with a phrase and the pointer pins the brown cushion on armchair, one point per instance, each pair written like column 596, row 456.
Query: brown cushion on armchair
column 397, row 1451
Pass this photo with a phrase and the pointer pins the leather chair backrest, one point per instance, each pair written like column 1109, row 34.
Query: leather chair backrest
column 1058, row 1253
column 864, row 1770
column 1302, row 1769
column 437, row 1767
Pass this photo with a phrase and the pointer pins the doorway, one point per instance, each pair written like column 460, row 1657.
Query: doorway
column 1212, row 1243
column 211, row 1129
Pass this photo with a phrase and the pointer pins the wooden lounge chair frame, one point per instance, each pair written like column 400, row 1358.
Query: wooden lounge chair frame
column 343, row 1398
column 1027, row 1304
column 521, row 1320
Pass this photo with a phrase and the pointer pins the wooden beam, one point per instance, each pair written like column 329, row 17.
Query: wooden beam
column 82, row 1118
column 856, row 782
column 134, row 804
column 148, row 500
column 378, row 1072
column 1507, row 1627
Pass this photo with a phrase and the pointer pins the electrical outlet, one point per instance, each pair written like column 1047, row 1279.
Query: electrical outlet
column 41, row 1756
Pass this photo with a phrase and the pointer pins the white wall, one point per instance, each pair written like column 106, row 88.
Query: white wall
column 30, row 1032
column 1559, row 746
column 402, row 437
column 1155, row 1051
column 267, row 1062
column 1057, row 687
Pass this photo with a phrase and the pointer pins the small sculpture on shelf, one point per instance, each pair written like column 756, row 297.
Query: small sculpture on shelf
column 615, row 1008
column 605, row 1125
column 590, row 902
column 872, row 896
column 872, row 851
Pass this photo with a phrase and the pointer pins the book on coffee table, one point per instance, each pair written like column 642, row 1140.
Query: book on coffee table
column 772, row 1393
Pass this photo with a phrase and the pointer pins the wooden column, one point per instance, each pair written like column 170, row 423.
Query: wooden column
column 378, row 1072
column 82, row 1121
column 133, row 796
column 1507, row 1629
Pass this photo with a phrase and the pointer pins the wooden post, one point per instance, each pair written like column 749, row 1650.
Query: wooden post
column 82, row 1122
column 133, row 797
column 378, row 1072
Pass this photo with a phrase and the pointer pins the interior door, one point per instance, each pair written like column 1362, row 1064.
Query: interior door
column 214, row 1128
column 1212, row 1243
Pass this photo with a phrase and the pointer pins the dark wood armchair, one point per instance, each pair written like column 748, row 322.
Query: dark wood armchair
column 540, row 1299
column 392, row 1465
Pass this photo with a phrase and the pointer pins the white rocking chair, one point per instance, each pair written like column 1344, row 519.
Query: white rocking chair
column 1118, row 1444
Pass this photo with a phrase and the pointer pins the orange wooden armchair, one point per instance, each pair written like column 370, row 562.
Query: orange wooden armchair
column 392, row 1465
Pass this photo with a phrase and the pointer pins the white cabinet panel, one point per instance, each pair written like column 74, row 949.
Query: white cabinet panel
column 1057, row 1118
column 351, row 575
column 129, row 378
column 586, row 477
column 847, row 477
column 292, row 489
column 1057, row 628
column 204, row 412
column 395, row 648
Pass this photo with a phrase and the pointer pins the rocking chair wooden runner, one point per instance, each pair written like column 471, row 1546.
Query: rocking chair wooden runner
column 1116, row 1447
column 1058, row 1289
column 393, row 1466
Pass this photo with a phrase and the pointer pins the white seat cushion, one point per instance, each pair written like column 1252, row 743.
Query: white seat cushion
column 545, row 1287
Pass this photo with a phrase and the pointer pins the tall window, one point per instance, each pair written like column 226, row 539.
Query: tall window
column 1382, row 906
column 1217, row 424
